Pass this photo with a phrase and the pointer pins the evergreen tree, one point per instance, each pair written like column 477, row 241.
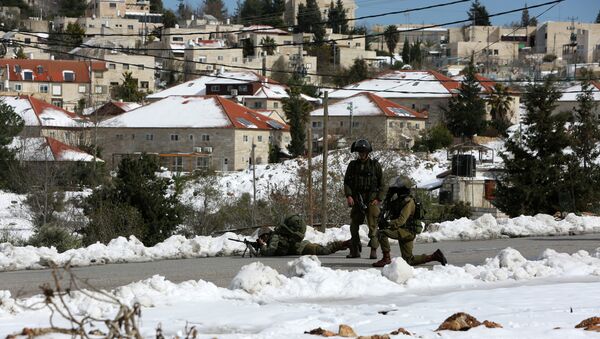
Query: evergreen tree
column 466, row 111
column 169, row 19
column 391, row 40
column 359, row 71
column 598, row 18
column 534, row 161
column 184, row 10
column 478, row 14
column 332, row 18
column 215, row 8
column 128, row 91
column 297, row 112
column 137, row 192
column 309, row 21
column 525, row 17
column 71, row 8
column 247, row 48
column 584, row 172
column 156, row 6
column 533, row 21
column 415, row 54
column 406, row 52
column 342, row 19
column 263, row 12
column 11, row 124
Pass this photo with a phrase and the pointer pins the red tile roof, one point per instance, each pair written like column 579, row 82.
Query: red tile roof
column 236, row 111
column 449, row 83
column 52, row 70
column 486, row 83
column 40, row 105
column 385, row 106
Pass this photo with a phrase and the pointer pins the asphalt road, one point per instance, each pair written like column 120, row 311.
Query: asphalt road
column 220, row 270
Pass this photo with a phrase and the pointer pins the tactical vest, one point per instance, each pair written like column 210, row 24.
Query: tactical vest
column 396, row 207
column 363, row 176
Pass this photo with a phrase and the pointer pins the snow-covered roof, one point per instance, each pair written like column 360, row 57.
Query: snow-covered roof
column 36, row 112
column 403, row 84
column 198, row 85
column 193, row 112
column 47, row 149
column 369, row 104
column 264, row 29
column 571, row 93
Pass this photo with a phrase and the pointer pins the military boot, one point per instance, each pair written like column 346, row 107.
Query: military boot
column 373, row 254
column 438, row 256
column 384, row 261
column 346, row 244
column 355, row 247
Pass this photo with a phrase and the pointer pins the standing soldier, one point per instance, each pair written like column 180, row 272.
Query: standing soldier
column 364, row 191
column 401, row 224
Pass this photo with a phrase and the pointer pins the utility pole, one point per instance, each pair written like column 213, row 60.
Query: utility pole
column 350, row 108
column 311, row 219
column 324, row 174
column 253, row 183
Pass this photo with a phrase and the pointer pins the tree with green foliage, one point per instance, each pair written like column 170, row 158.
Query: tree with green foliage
column 297, row 112
column 128, row 90
column 500, row 107
column 247, row 48
column 584, row 171
column 11, row 124
column 434, row 138
column 363, row 30
column 20, row 54
column 71, row 8
column 66, row 40
column 525, row 17
column 533, row 180
column 478, row 14
column 184, row 10
column 262, row 12
column 598, row 18
column 336, row 17
column 465, row 114
column 138, row 202
column 268, row 45
column 391, row 37
column 406, row 51
column 215, row 8
column 310, row 21
column 156, row 6
column 169, row 19
column 359, row 71
column 416, row 56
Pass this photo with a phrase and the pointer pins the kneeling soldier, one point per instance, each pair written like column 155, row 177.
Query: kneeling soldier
column 398, row 222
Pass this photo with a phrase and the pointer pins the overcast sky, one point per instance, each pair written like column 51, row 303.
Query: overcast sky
column 582, row 10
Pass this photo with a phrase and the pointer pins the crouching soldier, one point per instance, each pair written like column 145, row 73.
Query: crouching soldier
column 398, row 221
column 288, row 239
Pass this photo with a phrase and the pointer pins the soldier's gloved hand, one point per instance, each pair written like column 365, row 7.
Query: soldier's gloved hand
column 350, row 201
column 383, row 224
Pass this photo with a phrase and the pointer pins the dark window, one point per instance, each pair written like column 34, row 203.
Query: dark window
column 27, row 75
column 69, row 76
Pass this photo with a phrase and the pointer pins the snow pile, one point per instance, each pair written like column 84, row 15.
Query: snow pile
column 399, row 271
column 488, row 227
column 14, row 216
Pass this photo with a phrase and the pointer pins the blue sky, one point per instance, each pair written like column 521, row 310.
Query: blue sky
column 583, row 10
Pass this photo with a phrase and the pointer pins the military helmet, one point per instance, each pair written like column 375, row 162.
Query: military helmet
column 400, row 184
column 263, row 230
column 361, row 145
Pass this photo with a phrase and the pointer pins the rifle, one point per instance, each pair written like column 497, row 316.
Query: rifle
column 384, row 213
column 252, row 247
column 361, row 203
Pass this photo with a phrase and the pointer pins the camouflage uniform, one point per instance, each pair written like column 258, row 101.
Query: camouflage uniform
column 363, row 181
column 287, row 239
column 402, row 228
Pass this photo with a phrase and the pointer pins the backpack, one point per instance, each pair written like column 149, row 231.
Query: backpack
column 292, row 228
column 418, row 217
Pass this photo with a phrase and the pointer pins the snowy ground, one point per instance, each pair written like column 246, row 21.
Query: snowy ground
column 544, row 298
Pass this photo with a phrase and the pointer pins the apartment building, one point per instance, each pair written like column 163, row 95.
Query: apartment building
column 564, row 39
column 63, row 83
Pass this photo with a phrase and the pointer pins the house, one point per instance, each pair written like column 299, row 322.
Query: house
column 109, row 110
column 367, row 115
column 193, row 133
column 46, row 120
column 63, row 83
column 568, row 99
column 418, row 90
column 34, row 45
column 251, row 89
column 568, row 40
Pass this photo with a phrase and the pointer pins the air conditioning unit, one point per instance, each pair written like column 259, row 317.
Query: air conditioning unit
column 198, row 149
column 208, row 149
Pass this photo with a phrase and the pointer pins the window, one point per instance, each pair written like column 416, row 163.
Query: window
column 144, row 84
column 220, row 58
column 56, row 90
column 243, row 88
column 191, row 137
column 202, row 58
column 174, row 137
column 99, row 75
column 259, row 138
column 341, row 124
column 416, row 125
column 18, row 87
column 133, row 137
column 215, row 88
column 355, row 124
column 401, row 125
column 69, row 76
column 125, row 66
column 408, row 125
column 209, row 67
column 257, row 104
column 57, row 102
column 202, row 163
column 98, row 89
column 112, row 66
column 149, row 137
column 357, row 44
column 40, row 69
column 141, row 67
column 114, row 83
column 178, row 38
column 317, row 124
column 27, row 40
column 177, row 164
column 81, row 89
column 234, row 59
column 44, row 88
column 205, row 137
column 129, row 26
column 113, row 5
column 276, row 105
column 28, row 75
column 245, row 138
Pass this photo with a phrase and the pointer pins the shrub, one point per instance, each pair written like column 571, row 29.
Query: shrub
column 53, row 235
column 433, row 139
column 111, row 221
column 549, row 58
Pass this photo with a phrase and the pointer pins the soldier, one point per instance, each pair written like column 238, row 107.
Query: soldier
column 364, row 191
column 288, row 239
column 400, row 209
